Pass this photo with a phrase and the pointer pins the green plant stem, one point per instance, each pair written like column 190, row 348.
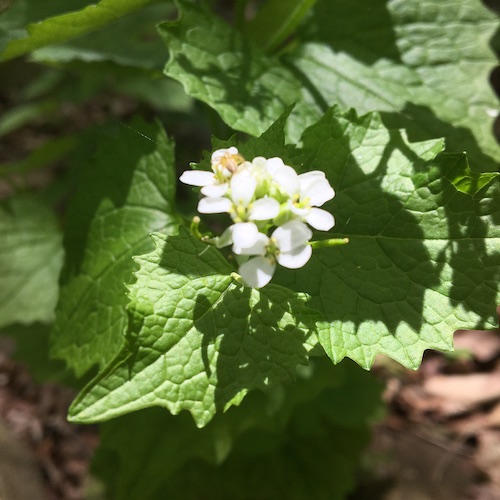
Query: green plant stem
column 276, row 21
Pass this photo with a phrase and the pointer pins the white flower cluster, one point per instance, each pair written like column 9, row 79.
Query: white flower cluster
column 261, row 195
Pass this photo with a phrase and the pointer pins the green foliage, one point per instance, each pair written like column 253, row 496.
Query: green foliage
column 401, row 281
column 368, row 93
column 60, row 27
column 109, row 221
column 326, row 413
column 128, row 41
column 197, row 340
column 31, row 257
column 398, row 58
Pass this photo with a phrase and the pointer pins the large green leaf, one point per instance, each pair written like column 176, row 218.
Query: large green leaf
column 197, row 339
column 54, row 27
column 31, row 257
column 423, row 260
column 424, row 256
column 126, row 191
column 425, row 65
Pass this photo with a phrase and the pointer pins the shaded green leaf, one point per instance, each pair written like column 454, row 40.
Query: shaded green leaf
column 197, row 340
column 426, row 65
column 31, row 257
column 59, row 27
column 108, row 222
column 150, row 453
column 130, row 41
column 32, row 347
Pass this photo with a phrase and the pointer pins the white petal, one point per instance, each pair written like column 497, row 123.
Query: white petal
column 264, row 209
column 225, row 239
column 243, row 188
column 221, row 153
column 295, row 258
column 259, row 164
column 310, row 177
column 274, row 164
column 257, row 272
column 257, row 248
column 197, row 178
column 287, row 179
column 320, row 219
column 214, row 205
column 244, row 234
column 215, row 191
column 318, row 192
column 291, row 235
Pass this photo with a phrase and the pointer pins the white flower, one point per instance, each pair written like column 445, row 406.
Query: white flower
column 258, row 195
column 314, row 191
column 288, row 245
column 239, row 201
column 306, row 191
column 246, row 239
column 225, row 162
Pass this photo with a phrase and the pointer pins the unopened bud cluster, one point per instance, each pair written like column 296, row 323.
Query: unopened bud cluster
column 271, row 207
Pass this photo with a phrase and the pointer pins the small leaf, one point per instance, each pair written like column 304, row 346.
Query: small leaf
column 197, row 340
column 462, row 177
column 31, row 257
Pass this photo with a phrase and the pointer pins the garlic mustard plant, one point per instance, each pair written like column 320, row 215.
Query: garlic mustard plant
column 261, row 196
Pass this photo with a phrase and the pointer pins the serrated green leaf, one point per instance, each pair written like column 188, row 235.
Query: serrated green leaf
column 31, row 257
column 423, row 258
column 108, row 222
column 227, row 71
column 63, row 26
column 197, row 340
column 425, row 66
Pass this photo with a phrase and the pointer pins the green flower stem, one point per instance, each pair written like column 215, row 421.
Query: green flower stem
column 195, row 227
column 328, row 243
